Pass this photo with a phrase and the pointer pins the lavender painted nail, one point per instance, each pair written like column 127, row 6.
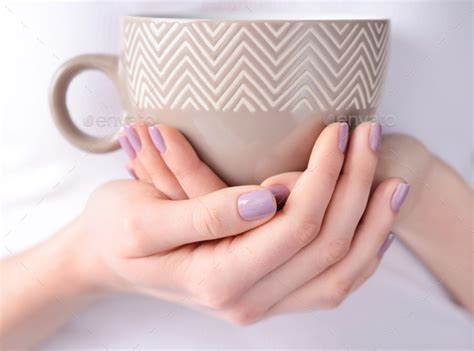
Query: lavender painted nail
column 399, row 196
column 157, row 139
column 257, row 204
column 281, row 193
column 132, row 173
column 386, row 244
column 375, row 135
column 343, row 136
column 125, row 144
column 133, row 138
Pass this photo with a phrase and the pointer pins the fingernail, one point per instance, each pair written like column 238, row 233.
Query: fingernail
column 281, row 193
column 133, row 138
column 375, row 135
column 343, row 136
column 157, row 139
column 125, row 144
column 399, row 196
column 256, row 205
column 386, row 244
column 132, row 173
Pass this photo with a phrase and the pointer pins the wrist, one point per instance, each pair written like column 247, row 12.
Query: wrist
column 41, row 288
column 72, row 263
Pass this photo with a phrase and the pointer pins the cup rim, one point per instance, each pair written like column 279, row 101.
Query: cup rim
column 184, row 19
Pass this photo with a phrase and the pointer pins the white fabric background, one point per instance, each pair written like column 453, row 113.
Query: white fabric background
column 45, row 181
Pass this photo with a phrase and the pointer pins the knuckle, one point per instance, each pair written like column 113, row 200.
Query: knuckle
column 328, row 173
column 334, row 252
column 217, row 296
column 206, row 221
column 370, row 271
column 133, row 227
column 337, row 293
column 306, row 231
column 332, row 173
column 243, row 315
column 192, row 167
column 364, row 178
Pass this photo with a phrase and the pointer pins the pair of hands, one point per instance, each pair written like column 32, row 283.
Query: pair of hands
column 299, row 241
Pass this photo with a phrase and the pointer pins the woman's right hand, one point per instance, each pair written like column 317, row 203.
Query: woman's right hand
column 132, row 237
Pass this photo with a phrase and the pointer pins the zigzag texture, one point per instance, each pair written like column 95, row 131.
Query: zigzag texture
column 255, row 66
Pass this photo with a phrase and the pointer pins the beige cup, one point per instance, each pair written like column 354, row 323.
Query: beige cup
column 251, row 96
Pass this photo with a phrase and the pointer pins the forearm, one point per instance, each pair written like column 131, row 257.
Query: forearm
column 40, row 290
column 435, row 222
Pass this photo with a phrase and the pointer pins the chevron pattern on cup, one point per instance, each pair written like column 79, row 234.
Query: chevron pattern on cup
column 255, row 66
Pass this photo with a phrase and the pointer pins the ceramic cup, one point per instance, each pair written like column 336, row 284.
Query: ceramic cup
column 251, row 96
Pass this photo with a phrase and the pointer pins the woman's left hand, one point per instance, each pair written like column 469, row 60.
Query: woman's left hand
column 348, row 244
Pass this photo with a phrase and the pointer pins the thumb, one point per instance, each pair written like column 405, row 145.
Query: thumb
column 230, row 211
column 281, row 185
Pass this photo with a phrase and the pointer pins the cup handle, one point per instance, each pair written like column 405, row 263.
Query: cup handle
column 57, row 100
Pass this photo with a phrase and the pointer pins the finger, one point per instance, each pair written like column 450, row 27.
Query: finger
column 137, row 171
column 373, row 233
column 348, row 202
column 262, row 250
column 223, row 213
column 346, row 207
column 194, row 176
column 331, row 287
column 321, row 293
column 134, row 167
column 161, row 177
column 311, row 194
